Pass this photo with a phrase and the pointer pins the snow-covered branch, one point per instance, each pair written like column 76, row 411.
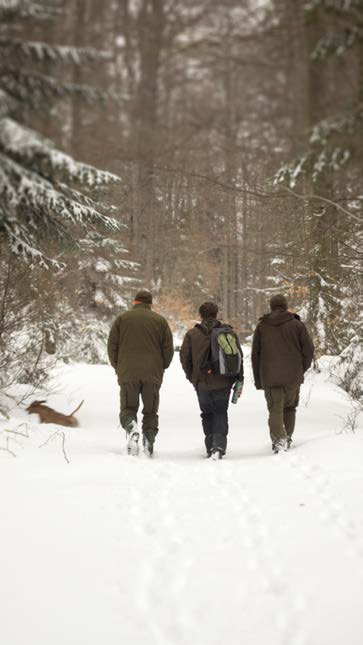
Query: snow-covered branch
column 35, row 88
column 33, row 150
column 42, row 52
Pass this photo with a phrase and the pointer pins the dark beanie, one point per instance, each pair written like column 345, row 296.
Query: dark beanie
column 278, row 302
column 144, row 296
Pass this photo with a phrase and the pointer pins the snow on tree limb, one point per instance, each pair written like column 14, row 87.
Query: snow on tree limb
column 32, row 149
column 26, row 188
column 44, row 192
column 42, row 52
column 7, row 103
column 21, row 248
column 35, row 88
column 340, row 6
column 30, row 205
column 338, row 43
column 344, row 123
column 27, row 9
column 313, row 163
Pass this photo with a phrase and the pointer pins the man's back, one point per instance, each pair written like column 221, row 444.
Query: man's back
column 140, row 345
column 282, row 349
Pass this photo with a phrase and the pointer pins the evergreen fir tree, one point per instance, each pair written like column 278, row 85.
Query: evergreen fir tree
column 330, row 168
column 44, row 193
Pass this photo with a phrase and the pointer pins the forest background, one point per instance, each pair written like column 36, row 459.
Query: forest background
column 205, row 150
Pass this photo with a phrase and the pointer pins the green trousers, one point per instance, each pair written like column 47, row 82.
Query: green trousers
column 282, row 402
column 130, row 394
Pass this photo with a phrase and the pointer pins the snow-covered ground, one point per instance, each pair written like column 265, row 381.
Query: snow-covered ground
column 257, row 549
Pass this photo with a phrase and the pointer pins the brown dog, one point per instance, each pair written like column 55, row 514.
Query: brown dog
column 47, row 415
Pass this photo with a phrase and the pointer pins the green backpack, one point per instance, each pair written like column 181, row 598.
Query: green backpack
column 225, row 351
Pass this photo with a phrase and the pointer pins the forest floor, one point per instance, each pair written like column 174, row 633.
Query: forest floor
column 256, row 549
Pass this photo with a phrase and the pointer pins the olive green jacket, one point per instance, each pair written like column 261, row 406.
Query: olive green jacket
column 140, row 345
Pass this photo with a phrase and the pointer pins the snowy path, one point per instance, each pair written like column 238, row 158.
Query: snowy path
column 256, row 549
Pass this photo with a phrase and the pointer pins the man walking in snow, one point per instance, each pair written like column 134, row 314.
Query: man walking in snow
column 282, row 351
column 213, row 388
column 140, row 348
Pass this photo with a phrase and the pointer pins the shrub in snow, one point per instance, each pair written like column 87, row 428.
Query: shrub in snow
column 84, row 341
column 24, row 335
column 349, row 369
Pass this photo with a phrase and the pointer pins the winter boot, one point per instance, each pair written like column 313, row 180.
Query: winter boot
column 289, row 442
column 132, row 439
column 148, row 446
column 217, row 454
column 279, row 446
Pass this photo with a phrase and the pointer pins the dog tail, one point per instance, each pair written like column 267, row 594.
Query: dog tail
column 77, row 408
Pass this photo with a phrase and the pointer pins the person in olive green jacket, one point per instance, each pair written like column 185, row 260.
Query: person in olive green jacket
column 140, row 348
column 282, row 351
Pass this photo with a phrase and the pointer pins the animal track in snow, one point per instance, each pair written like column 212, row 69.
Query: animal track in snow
column 166, row 564
column 255, row 536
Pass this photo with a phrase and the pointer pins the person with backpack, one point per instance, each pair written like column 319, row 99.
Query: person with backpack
column 282, row 351
column 140, row 349
column 212, row 359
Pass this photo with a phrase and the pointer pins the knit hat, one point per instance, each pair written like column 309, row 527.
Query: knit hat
column 144, row 296
column 278, row 302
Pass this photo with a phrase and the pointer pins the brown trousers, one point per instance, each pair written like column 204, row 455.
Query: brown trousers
column 130, row 394
column 282, row 401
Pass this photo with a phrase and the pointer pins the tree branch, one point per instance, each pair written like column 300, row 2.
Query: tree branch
column 322, row 199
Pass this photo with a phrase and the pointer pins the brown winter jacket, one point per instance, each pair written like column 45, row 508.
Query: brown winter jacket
column 140, row 345
column 282, row 350
column 193, row 356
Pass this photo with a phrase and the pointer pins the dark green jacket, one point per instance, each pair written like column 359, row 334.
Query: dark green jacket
column 282, row 350
column 140, row 345
column 193, row 355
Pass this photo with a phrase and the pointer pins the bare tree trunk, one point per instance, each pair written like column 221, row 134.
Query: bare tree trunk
column 150, row 28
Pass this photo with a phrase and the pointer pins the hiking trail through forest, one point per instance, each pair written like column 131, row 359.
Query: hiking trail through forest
column 256, row 548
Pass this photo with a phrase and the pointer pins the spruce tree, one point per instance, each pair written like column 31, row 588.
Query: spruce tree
column 328, row 170
column 45, row 195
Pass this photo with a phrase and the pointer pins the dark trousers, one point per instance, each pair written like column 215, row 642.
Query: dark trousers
column 130, row 398
column 282, row 402
column 214, row 406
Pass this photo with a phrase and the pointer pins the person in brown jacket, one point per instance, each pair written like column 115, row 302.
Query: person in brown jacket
column 213, row 389
column 140, row 348
column 282, row 351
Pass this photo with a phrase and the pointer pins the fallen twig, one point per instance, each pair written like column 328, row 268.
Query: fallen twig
column 57, row 433
column 63, row 447
column 22, row 434
column 49, row 439
column 307, row 398
column 7, row 449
